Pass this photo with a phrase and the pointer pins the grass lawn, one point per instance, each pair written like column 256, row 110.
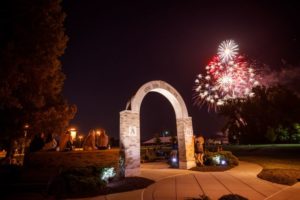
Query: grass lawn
column 280, row 162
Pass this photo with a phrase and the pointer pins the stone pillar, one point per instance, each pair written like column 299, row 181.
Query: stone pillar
column 130, row 141
column 185, row 143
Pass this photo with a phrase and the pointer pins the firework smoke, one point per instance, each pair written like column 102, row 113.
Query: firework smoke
column 287, row 76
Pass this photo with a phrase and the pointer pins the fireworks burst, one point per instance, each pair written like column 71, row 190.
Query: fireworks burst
column 223, row 81
column 228, row 50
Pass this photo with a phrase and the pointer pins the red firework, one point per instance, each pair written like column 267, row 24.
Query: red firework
column 224, row 81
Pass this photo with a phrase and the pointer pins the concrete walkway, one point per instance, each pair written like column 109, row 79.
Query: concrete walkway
column 176, row 184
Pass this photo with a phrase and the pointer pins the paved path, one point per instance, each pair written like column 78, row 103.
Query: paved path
column 240, row 180
column 175, row 184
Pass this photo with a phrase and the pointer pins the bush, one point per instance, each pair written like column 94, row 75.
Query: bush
column 230, row 158
column 77, row 181
column 216, row 158
column 82, row 184
column 10, row 173
column 232, row 197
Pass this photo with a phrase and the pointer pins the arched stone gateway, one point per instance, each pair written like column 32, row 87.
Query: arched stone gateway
column 130, row 127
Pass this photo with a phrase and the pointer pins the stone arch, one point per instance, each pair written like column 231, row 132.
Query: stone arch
column 130, row 127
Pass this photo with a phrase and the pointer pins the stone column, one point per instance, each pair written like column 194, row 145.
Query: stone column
column 185, row 143
column 130, row 141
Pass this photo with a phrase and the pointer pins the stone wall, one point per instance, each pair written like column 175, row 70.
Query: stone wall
column 55, row 160
column 185, row 143
column 130, row 141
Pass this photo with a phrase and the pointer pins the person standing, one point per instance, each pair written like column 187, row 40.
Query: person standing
column 103, row 140
column 199, row 149
column 90, row 141
column 66, row 142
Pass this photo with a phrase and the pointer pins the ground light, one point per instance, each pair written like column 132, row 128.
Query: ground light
column 219, row 161
column 174, row 160
column 107, row 173
column 223, row 162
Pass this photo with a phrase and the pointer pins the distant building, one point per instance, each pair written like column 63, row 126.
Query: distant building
column 218, row 138
column 163, row 140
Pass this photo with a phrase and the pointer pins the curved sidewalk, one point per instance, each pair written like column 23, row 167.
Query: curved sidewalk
column 239, row 180
column 177, row 184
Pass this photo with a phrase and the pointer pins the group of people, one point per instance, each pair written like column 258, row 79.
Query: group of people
column 51, row 142
column 40, row 142
column 94, row 140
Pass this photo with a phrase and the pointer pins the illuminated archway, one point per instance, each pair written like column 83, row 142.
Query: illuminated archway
column 130, row 127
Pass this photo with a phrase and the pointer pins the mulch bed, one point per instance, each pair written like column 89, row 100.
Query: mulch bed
column 34, row 187
column 128, row 184
column 281, row 176
column 123, row 185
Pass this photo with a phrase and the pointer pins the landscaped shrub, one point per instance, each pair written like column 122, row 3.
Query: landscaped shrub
column 231, row 159
column 10, row 173
column 232, row 197
column 79, row 181
column 281, row 176
column 82, row 184
column 220, row 158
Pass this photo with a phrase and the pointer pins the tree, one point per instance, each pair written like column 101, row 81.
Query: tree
column 275, row 107
column 295, row 137
column 271, row 135
column 283, row 134
column 31, row 77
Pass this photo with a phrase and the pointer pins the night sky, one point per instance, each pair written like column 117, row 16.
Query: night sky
column 114, row 48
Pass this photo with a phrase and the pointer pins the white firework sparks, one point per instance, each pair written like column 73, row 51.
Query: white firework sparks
column 227, row 50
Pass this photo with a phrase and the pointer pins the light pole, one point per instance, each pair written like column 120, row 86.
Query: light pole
column 98, row 133
column 26, row 126
column 73, row 133
column 80, row 137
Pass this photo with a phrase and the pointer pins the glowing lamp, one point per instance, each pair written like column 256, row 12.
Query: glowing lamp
column 26, row 126
column 174, row 160
column 73, row 133
column 98, row 132
column 80, row 137
column 223, row 162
